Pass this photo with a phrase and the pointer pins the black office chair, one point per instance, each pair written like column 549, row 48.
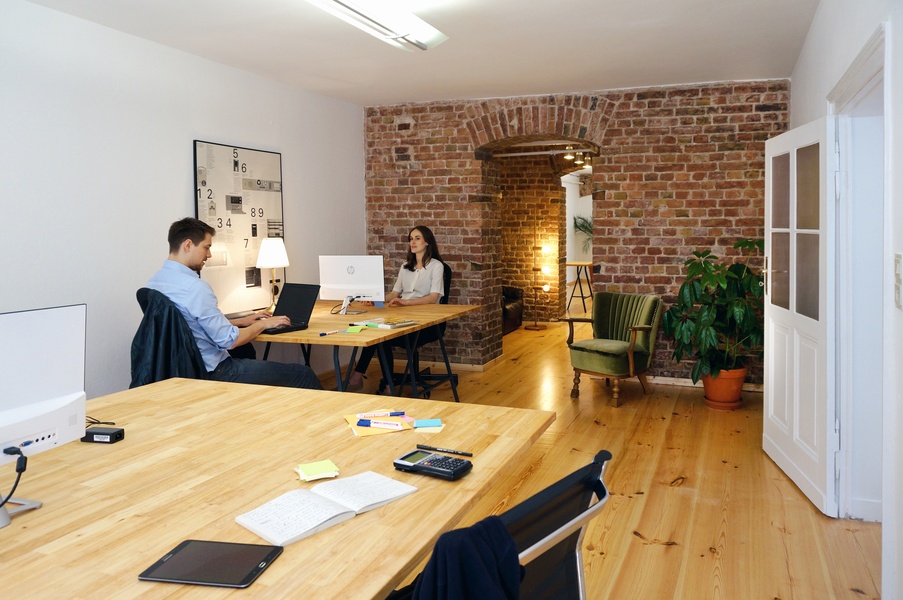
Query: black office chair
column 546, row 531
column 424, row 380
column 163, row 346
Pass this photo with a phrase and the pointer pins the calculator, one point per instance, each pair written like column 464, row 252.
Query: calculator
column 434, row 465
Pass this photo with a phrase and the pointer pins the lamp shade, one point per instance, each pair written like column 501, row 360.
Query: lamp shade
column 272, row 254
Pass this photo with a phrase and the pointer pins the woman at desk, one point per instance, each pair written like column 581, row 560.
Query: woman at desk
column 419, row 281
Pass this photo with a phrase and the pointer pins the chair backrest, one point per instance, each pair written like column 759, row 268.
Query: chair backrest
column 446, row 283
column 163, row 346
column 614, row 312
column 548, row 531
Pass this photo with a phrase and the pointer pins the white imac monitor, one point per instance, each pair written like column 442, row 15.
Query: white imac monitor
column 42, row 387
column 352, row 277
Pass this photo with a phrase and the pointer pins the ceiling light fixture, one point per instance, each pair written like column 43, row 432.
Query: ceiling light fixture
column 579, row 159
column 382, row 20
column 569, row 155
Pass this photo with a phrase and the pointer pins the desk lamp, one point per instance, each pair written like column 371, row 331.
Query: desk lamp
column 272, row 256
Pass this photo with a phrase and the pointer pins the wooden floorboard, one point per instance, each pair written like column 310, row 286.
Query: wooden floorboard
column 696, row 509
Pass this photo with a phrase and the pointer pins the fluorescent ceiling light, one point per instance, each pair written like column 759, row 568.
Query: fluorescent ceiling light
column 382, row 19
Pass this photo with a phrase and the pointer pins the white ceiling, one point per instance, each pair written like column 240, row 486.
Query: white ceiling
column 496, row 48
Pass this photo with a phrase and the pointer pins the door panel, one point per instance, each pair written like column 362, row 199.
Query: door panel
column 799, row 429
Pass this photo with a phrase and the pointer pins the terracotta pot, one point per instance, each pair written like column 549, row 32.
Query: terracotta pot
column 723, row 392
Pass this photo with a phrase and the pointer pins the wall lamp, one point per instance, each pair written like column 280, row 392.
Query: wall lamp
column 391, row 25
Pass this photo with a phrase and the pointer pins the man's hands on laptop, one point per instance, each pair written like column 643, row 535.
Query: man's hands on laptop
column 269, row 320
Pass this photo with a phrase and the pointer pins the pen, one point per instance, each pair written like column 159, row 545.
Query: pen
column 434, row 449
column 383, row 413
column 329, row 332
column 379, row 424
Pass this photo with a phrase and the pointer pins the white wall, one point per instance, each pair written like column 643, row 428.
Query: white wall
column 839, row 31
column 96, row 131
column 575, row 204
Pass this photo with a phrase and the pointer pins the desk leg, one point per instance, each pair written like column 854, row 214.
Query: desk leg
column 452, row 379
column 340, row 383
column 583, row 294
column 409, row 346
column 266, row 351
column 305, row 352
column 578, row 283
column 386, row 364
column 589, row 287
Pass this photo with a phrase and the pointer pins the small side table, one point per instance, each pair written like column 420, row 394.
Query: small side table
column 584, row 268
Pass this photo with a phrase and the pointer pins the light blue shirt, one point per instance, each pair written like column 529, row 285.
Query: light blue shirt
column 194, row 297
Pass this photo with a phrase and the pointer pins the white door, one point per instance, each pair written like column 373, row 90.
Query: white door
column 800, row 429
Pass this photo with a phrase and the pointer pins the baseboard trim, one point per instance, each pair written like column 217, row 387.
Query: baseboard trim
column 686, row 382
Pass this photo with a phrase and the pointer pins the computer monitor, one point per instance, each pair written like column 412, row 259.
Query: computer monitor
column 357, row 277
column 42, row 387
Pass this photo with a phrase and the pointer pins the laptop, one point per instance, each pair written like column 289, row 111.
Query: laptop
column 296, row 301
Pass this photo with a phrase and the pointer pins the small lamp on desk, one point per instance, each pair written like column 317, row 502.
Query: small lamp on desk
column 272, row 256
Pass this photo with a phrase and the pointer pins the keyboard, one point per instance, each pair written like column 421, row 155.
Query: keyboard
column 286, row 328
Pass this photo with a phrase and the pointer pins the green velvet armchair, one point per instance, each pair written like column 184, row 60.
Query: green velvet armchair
column 624, row 331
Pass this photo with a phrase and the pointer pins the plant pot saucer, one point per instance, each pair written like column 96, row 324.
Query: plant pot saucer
column 720, row 405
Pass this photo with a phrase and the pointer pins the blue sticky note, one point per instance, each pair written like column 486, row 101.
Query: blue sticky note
column 428, row 423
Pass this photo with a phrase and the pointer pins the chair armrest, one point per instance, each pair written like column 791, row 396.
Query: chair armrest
column 570, row 322
column 640, row 328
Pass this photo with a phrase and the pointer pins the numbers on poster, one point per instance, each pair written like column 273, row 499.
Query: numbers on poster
column 239, row 194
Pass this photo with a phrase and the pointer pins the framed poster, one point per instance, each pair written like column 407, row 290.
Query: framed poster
column 239, row 193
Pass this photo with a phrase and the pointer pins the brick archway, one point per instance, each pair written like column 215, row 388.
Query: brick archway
column 579, row 117
column 532, row 209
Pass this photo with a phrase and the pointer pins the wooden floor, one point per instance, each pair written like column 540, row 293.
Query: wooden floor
column 696, row 510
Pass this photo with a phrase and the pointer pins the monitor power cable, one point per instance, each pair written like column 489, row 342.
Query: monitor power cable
column 21, row 463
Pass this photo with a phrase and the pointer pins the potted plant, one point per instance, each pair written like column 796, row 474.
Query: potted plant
column 717, row 320
column 584, row 226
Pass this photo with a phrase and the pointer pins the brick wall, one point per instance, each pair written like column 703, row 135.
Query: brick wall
column 679, row 168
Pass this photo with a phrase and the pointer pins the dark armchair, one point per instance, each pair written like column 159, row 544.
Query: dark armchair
column 624, row 331
column 512, row 309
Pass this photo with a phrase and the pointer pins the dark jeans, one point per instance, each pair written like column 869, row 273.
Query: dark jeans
column 364, row 358
column 244, row 370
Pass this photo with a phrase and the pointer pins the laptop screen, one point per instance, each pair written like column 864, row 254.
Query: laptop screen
column 296, row 301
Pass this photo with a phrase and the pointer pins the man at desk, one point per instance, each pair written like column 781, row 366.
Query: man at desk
column 180, row 280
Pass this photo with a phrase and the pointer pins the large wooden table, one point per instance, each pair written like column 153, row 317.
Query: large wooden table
column 198, row 453
column 322, row 321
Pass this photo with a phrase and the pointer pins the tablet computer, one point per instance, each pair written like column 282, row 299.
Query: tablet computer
column 223, row 564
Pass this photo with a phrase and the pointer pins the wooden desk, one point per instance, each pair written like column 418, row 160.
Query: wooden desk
column 321, row 321
column 584, row 268
column 198, row 453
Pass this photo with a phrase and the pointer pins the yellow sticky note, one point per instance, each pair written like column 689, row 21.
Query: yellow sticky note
column 354, row 329
column 317, row 470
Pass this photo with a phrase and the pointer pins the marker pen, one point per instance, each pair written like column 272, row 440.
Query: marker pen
column 379, row 424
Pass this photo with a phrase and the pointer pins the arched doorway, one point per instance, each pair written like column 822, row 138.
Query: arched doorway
column 531, row 207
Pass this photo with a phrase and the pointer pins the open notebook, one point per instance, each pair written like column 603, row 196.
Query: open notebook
column 303, row 512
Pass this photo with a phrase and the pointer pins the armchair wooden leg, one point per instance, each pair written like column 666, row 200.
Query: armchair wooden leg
column 643, row 381
column 575, row 391
column 615, row 388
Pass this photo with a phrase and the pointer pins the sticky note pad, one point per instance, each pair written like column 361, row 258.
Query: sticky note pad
column 428, row 423
column 317, row 470
column 354, row 329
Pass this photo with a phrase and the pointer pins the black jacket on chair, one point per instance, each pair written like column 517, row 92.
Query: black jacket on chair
column 475, row 563
column 163, row 346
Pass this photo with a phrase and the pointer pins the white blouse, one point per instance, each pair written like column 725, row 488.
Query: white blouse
column 420, row 282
